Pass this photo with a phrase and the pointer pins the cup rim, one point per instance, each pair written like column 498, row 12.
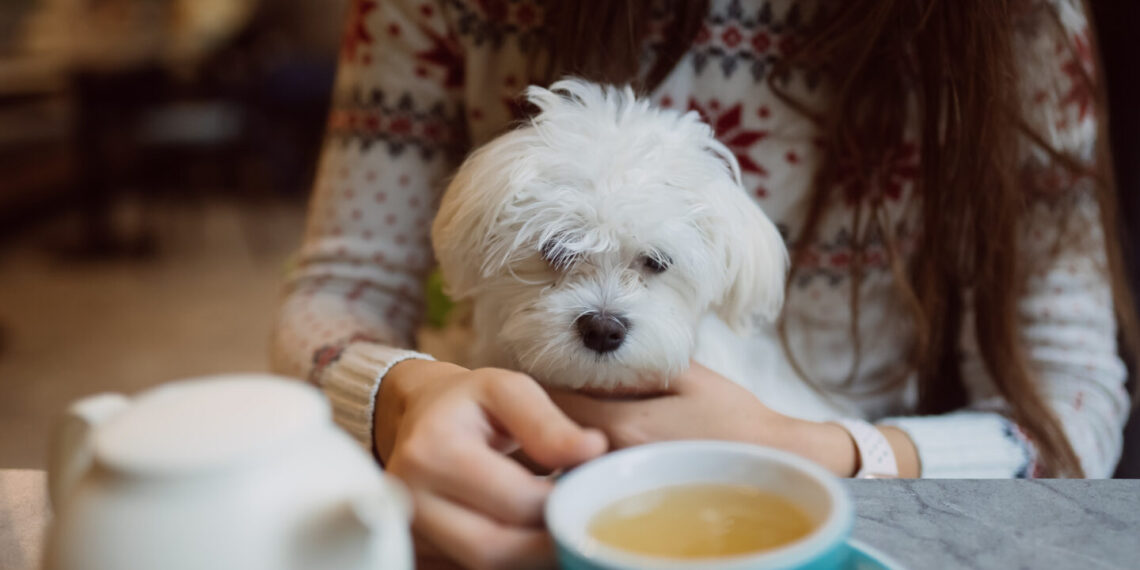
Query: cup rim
column 835, row 528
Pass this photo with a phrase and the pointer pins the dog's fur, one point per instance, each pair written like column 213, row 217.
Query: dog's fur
column 576, row 212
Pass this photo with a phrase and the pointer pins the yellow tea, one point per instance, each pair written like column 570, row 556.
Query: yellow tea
column 700, row 521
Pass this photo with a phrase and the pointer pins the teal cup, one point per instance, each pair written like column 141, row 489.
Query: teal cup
column 581, row 494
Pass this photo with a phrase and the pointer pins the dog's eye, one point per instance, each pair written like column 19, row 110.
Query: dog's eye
column 558, row 256
column 657, row 262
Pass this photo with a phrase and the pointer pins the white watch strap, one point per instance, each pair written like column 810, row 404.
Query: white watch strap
column 876, row 458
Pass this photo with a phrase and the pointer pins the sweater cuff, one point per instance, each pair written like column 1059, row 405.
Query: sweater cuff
column 968, row 445
column 352, row 382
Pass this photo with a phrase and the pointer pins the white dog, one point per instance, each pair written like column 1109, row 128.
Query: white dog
column 606, row 243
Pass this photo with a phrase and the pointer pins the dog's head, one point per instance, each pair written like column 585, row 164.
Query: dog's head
column 600, row 234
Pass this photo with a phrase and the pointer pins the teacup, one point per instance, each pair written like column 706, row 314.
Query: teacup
column 582, row 493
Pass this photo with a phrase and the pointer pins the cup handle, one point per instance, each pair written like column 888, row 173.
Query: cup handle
column 71, row 446
column 359, row 532
column 389, row 520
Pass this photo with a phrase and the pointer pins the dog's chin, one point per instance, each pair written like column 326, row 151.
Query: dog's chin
column 623, row 392
column 624, row 385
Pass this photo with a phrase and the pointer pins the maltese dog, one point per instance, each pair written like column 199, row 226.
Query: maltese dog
column 606, row 243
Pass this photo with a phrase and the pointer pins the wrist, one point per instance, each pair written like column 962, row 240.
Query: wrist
column 880, row 451
column 406, row 376
column 824, row 443
column 396, row 389
column 906, row 454
column 876, row 458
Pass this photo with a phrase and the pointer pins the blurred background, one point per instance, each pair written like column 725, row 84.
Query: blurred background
column 155, row 157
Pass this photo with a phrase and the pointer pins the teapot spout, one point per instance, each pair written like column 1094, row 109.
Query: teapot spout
column 71, row 448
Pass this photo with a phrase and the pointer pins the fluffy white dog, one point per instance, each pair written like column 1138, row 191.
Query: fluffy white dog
column 606, row 243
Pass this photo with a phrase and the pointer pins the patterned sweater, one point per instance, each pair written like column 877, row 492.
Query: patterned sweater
column 423, row 81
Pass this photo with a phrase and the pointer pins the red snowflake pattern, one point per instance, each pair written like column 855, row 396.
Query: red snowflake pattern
column 899, row 169
column 1078, row 69
column 357, row 33
column 761, row 42
column 731, row 37
column 729, row 130
column 446, row 53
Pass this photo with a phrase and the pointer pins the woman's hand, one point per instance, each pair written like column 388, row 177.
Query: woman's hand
column 444, row 430
column 705, row 405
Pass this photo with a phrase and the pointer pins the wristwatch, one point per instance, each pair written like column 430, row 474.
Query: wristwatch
column 876, row 458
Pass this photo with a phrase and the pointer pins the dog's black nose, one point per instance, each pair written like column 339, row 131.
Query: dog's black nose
column 602, row 332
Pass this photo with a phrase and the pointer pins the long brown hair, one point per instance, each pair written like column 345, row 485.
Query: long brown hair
column 954, row 60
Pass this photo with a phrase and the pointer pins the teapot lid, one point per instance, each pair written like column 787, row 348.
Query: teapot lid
column 210, row 421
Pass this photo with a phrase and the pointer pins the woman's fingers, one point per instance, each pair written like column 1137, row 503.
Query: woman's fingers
column 524, row 410
column 495, row 485
column 429, row 557
column 478, row 542
column 476, row 504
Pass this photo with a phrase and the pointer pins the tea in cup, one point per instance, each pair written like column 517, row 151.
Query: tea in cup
column 700, row 504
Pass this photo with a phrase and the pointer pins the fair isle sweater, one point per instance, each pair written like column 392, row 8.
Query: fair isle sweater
column 421, row 82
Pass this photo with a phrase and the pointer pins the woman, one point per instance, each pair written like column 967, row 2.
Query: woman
column 933, row 165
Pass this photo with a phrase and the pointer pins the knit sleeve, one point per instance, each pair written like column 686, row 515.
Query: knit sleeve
column 354, row 297
column 1067, row 321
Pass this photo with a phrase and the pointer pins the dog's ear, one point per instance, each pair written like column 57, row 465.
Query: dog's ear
column 754, row 256
column 447, row 231
column 488, row 217
column 463, row 231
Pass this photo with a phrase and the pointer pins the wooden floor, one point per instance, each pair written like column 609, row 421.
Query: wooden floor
column 203, row 304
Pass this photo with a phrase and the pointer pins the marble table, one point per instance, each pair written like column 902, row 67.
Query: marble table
column 1072, row 524
column 24, row 516
column 922, row 524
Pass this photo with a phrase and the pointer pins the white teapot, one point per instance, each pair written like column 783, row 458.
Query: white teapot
column 238, row 472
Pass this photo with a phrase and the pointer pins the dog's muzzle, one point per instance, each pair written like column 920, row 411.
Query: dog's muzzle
column 602, row 332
